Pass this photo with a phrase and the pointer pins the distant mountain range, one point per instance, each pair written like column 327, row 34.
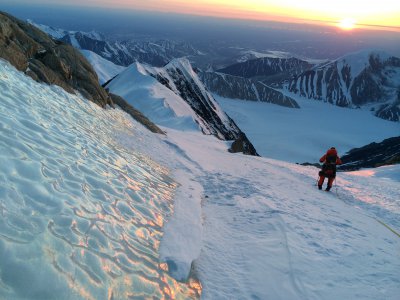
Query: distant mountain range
column 123, row 53
column 367, row 79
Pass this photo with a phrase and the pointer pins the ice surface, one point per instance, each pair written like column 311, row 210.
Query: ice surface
column 81, row 215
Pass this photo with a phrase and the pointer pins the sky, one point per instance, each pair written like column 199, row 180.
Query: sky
column 384, row 13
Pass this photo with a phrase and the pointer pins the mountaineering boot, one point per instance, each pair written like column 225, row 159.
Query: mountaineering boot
column 320, row 187
column 328, row 188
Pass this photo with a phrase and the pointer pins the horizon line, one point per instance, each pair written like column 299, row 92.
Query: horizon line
column 237, row 17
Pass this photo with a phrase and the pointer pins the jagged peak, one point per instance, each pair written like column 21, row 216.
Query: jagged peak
column 182, row 64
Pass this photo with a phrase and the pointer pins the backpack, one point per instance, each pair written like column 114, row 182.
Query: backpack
column 329, row 166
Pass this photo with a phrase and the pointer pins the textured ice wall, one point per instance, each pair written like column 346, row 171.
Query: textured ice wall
column 80, row 216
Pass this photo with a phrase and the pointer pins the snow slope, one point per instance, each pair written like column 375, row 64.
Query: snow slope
column 304, row 135
column 81, row 215
column 105, row 69
column 269, row 233
column 85, row 194
column 153, row 99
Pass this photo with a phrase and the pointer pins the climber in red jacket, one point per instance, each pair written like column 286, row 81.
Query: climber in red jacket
column 329, row 160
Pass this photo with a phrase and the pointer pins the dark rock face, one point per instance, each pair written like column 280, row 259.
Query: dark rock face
column 35, row 53
column 373, row 155
column 266, row 67
column 353, row 81
column 243, row 145
column 229, row 86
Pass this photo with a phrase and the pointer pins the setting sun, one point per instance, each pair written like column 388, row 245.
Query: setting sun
column 347, row 24
column 383, row 13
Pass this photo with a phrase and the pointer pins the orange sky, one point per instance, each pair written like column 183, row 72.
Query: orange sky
column 367, row 12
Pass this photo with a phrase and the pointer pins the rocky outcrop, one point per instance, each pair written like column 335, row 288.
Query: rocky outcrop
column 390, row 111
column 243, row 145
column 35, row 53
column 355, row 80
column 234, row 87
column 372, row 155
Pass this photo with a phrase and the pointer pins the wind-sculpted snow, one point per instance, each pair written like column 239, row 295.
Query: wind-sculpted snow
column 81, row 215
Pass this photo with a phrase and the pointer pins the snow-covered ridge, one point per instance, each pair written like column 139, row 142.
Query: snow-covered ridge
column 58, row 33
column 153, row 99
column 251, row 54
column 357, row 61
column 105, row 69
column 173, row 96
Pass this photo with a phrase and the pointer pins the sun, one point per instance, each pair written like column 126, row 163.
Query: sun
column 347, row 24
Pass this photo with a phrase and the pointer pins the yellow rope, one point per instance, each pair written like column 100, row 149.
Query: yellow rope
column 388, row 227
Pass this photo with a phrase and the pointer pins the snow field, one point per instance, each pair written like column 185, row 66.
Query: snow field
column 304, row 135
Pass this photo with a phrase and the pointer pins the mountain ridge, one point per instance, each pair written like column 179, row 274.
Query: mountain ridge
column 358, row 79
column 123, row 53
column 175, row 91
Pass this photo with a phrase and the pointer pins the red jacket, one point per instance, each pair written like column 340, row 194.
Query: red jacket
column 331, row 152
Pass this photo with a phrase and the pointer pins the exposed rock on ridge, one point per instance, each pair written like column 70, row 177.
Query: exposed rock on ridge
column 181, row 79
column 35, row 53
column 372, row 155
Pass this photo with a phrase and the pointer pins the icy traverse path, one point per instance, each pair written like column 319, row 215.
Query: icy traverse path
column 268, row 233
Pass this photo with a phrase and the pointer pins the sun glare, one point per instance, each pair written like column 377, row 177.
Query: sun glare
column 347, row 24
